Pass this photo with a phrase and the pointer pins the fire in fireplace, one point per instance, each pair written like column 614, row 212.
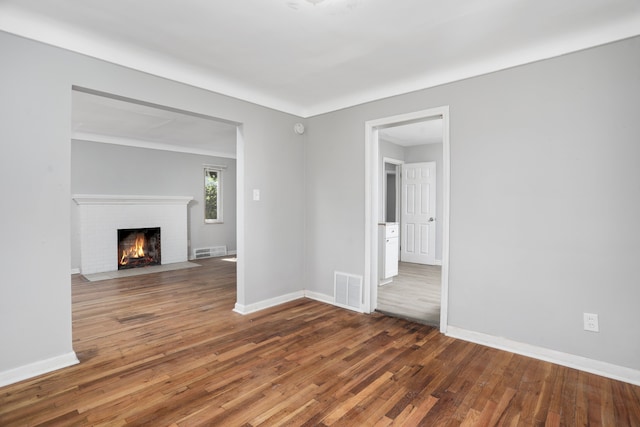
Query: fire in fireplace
column 138, row 247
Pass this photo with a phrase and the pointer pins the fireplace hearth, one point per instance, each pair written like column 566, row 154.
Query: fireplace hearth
column 138, row 247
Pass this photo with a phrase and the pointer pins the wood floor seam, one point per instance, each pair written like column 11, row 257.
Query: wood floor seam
column 166, row 349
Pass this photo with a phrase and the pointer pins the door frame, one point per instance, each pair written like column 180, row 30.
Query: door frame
column 383, row 207
column 372, row 207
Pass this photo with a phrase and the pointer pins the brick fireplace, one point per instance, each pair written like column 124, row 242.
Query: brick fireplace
column 101, row 216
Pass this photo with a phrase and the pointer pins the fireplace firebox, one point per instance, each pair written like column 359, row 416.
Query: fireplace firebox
column 138, row 247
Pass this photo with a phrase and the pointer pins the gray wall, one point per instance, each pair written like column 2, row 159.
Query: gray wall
column 391, row 150
column 35, row 107
column 114, row 169
column 544, row 199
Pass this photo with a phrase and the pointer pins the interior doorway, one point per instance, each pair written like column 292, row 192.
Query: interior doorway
column 182, row 142
column 385, row 161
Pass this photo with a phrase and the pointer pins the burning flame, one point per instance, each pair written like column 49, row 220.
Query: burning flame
column 135, row 251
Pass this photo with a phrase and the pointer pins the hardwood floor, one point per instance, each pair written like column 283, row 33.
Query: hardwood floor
column 165, row 349
column 413, row 294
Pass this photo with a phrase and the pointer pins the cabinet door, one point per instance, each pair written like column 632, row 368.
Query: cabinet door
column 391, row 257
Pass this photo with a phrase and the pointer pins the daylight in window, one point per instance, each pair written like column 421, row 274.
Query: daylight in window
column 212, row 195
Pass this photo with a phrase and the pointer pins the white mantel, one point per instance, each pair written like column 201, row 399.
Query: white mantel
column 101, row 215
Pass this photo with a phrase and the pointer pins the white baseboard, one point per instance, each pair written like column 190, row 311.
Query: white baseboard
column 438, row 262
column 597, row 367
column 37, row 368
column 75, row 271
column 229, row 253
column 271, row 302
column 320, row 297
column 252, row 308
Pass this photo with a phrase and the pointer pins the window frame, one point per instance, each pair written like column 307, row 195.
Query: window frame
column 219, row 210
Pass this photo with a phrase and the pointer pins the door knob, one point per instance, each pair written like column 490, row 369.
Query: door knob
column 432, row 219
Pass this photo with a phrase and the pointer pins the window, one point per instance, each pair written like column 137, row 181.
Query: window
column 212, row 195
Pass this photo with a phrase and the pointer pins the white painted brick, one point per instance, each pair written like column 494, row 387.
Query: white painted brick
column 99, row 224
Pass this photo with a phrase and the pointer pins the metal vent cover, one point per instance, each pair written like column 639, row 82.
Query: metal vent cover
column 347, row 290
column 213, row 251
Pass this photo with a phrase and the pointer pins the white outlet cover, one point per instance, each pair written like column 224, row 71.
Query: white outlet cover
column 591, row 322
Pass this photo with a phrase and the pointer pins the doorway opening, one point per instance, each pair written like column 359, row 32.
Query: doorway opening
column 166, row 150
column 407, row 159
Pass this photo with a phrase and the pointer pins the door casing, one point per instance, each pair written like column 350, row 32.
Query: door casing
column 372, row 171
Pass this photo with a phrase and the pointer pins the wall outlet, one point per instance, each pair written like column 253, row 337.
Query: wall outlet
column 256, row 195
column 591, row 322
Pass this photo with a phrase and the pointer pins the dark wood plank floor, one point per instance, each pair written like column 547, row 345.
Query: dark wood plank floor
column 165, row 349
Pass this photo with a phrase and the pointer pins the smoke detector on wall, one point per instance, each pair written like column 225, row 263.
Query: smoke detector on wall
column 298, row 128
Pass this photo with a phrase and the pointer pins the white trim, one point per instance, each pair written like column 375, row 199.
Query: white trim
column 597, row 367
column 114, row 199
column 232, row 252
column 392, row 161
column 240, row 217
column 317, row 296
column 31, row 26
column 75, row 271
column 438, row 262
column 220, row 191
column 446, row 205
column 372, row 151
column 371, row 203
column 37, row 368
column 138, row 143
column 580, row 40
column 268, row 303
column 273, row 302
column 383, row 205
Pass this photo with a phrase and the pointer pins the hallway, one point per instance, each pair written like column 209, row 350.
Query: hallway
column 414, row 293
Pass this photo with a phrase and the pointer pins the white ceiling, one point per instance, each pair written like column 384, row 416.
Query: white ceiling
column 114, row 121
column 420, row 133
column 308, row 59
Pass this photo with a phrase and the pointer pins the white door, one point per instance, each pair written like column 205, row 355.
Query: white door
column 418, row 216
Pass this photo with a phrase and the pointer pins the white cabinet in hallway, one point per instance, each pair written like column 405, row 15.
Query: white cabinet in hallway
column 388, row 251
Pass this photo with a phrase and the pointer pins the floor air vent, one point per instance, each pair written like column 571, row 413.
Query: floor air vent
column 212, row 251
column 347, row 291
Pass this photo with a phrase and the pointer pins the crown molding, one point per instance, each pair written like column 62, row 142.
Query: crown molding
column 125, row 199
column 42, row 30
column 138, row 143
column 626, row 29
